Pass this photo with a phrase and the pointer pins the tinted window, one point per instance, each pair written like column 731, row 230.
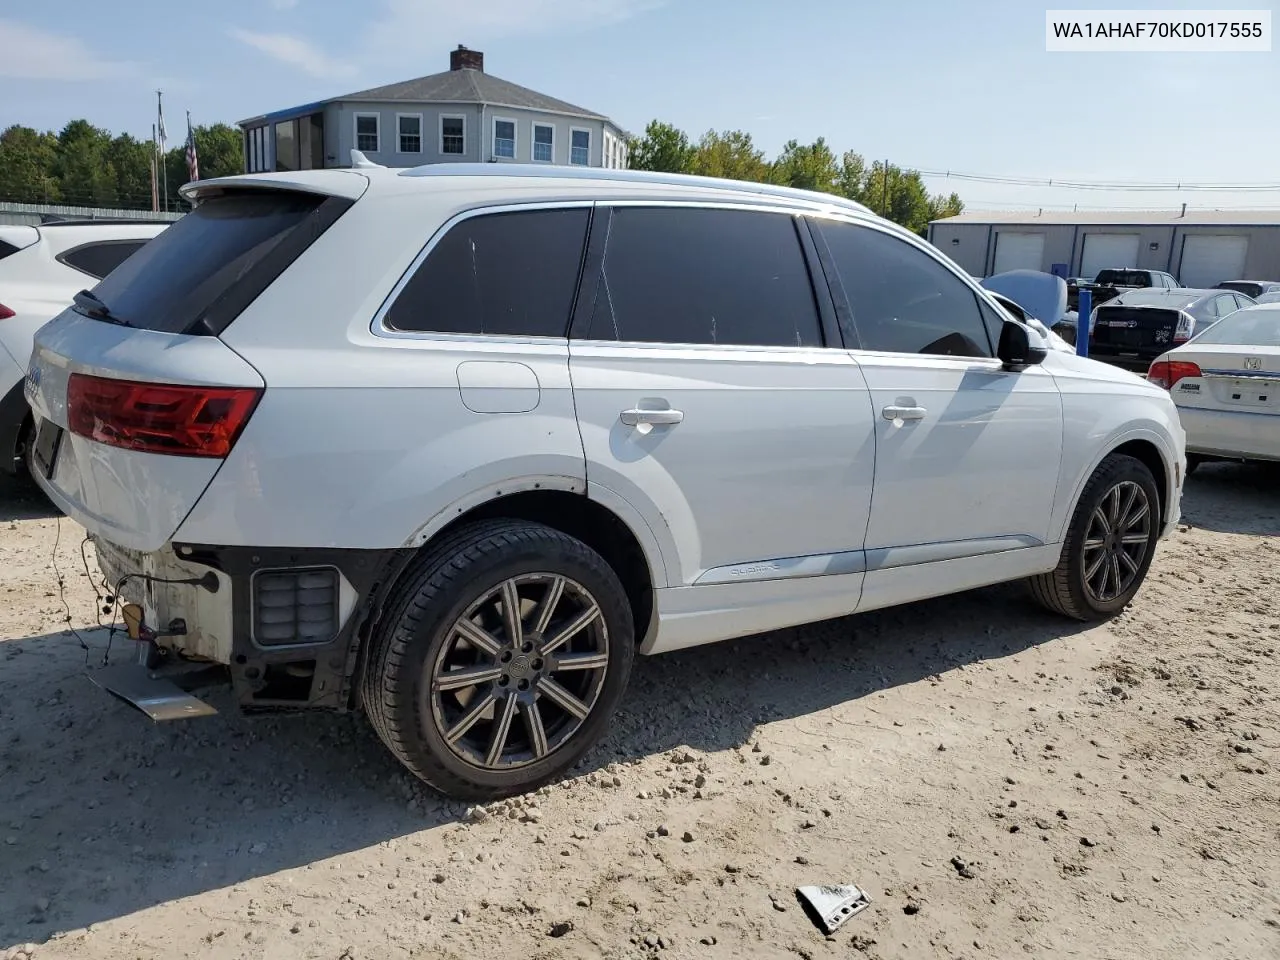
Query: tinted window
column 503, row 273
column 7, row 248
column 716, row 277
column 1123, row 278
column 99, row 259
column 902, row 299
column 198, row 274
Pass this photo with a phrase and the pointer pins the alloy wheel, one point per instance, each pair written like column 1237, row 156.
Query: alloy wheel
column 1116, row 541
column 519, row 672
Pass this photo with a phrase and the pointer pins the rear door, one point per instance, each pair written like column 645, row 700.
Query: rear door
column 136, row 399
column 967, row 453
column 713, row 399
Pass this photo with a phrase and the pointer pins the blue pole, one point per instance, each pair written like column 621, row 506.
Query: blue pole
column 1083, row 310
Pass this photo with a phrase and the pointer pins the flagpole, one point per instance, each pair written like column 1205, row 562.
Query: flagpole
column 164, row 167
column 155, row 196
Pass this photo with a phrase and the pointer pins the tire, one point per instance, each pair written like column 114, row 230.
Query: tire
column 448, row 624
column 1193, row 463
column 1067, row 590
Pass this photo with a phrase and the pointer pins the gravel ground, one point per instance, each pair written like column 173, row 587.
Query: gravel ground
column 1002, row 782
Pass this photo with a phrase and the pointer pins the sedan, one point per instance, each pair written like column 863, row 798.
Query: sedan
column 1251, row 288
column 1134, row 328
column 1226, row 384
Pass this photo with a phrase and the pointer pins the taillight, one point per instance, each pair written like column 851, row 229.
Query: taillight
column 5, row 312
column 1167, row 373
column 1185, row 328
column 159, row 417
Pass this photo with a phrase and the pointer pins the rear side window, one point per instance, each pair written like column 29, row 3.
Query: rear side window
column 7, row 248
column 704, row 276
column 500, row 273
column 99, row 259
column 904, row 301
column 199, row 274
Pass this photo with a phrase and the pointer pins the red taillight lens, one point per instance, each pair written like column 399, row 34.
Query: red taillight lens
column 1168, row 372
column 159, row 418
column 5, row 312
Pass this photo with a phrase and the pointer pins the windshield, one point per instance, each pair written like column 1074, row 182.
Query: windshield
column 1124, row 278
column 1249, row 327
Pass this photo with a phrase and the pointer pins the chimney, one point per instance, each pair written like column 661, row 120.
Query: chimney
column 464, row 59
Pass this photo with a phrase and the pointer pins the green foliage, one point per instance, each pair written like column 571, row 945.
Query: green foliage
column 900, row 195
column 662, row 148
column 86, row 166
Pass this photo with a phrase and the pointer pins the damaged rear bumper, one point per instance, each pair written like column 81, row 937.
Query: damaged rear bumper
column 289, row 624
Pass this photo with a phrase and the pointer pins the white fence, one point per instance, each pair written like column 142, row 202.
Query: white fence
column 35, row 213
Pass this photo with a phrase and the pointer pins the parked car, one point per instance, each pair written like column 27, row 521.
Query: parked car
column 41, row 268
column 1033, row 297
column 1226, row 383
column 450, row 445
column 1250, row 288
column 1269, row 297
column 1111, row 283
column 1134, row 328
column 1054, row 341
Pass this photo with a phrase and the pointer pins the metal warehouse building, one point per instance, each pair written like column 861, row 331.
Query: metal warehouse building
column 1200, row 248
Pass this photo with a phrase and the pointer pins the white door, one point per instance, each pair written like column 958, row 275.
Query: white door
column 967, row 452
column 1103, row 251
column 1208, row 260
column 1019, row 251
column 709, row 403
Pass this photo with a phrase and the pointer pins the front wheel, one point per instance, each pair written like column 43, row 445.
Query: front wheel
column 501, row 661
column 1109, row 544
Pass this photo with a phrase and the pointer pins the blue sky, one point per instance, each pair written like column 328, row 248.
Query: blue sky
column 933, row 84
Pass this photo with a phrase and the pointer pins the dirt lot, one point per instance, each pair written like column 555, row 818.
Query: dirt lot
column 1002, row 782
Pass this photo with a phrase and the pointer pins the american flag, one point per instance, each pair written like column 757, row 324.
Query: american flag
column 193, row 161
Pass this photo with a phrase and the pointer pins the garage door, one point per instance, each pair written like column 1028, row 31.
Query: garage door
column 1019, row 251
column 1104, row 251
column 1207, row 261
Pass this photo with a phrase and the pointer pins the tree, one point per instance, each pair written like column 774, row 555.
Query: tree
column 940, row 207
column 85, row 174
column 808, row 167
column 131, row 160
column 732, row 155
column 26, row 166
column 663, row 147
column 220, row 149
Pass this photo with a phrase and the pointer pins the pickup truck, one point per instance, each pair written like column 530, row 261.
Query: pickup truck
column 1112, row 282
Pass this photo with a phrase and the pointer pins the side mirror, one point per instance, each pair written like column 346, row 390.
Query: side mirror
column 1016, row 349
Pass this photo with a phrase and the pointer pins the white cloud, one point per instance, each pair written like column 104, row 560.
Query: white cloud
column 294, row 51
column 34, row 54
column 408, row 24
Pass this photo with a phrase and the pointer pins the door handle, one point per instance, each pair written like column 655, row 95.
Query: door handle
column 903, row 413
column 635, row 417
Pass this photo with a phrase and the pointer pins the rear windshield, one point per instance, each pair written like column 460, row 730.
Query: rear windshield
column 1250, row 328
column 1156, row 298
column 1123, row 278
column 199, row 274
column 1241, row 286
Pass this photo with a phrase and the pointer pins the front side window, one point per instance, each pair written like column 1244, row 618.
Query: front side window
column 902, row 300
column 704, row 276
column 504, row 139
column 580, row 147
column 367, row 132
column 410, row 134
column 453, row 135
column 501, row 273
column 544, row 141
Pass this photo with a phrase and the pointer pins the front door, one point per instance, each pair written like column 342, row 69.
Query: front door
column 709, row 401
column 967, row 453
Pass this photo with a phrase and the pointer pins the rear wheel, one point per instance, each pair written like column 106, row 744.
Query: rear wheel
column 501, row 660
column 1109, row 544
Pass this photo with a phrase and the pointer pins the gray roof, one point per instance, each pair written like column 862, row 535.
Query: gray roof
column 468, row 86
column 1170, row 218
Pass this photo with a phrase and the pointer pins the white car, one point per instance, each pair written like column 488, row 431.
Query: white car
column 41, row 268
column 1226, row 383
column 451, row 444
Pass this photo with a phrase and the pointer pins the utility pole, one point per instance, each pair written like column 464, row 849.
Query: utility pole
column 884, row 203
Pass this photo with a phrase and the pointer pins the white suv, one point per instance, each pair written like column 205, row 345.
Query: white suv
column 449, row 445
column 41, row 268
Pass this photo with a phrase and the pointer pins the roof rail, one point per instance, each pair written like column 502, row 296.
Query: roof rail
column 629, row 176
